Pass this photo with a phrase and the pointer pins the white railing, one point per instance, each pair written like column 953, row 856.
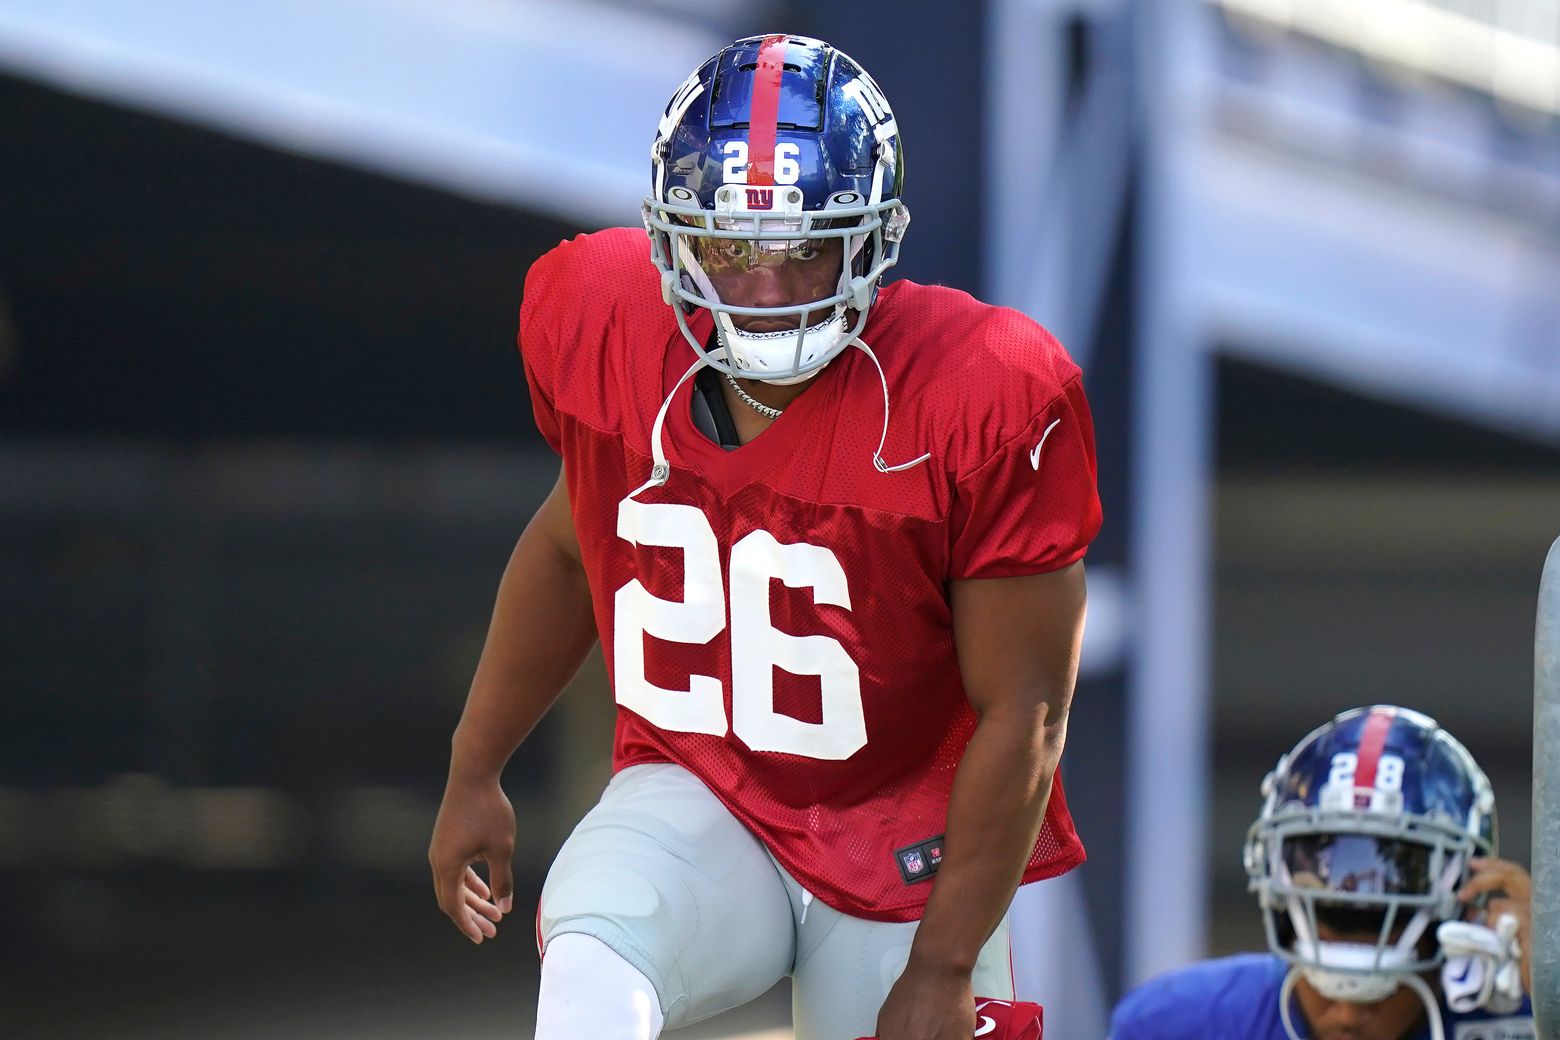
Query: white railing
column 1535, row 19
column 1509, row 48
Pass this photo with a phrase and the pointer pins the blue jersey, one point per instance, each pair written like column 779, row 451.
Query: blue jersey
column 1236, row 998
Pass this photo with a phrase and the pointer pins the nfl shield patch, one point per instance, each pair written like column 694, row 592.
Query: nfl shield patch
column 918, row 862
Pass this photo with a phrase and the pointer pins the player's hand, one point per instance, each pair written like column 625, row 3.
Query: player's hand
column 1510, row 891
column 928, row 1003
column 476, row 822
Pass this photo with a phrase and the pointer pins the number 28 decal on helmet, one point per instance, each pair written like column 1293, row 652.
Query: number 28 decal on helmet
column 778, row 148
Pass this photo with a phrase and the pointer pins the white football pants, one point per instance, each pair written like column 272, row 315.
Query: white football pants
column 666, row 878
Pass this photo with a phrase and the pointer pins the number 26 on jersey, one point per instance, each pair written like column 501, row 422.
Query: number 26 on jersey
column 757, row 647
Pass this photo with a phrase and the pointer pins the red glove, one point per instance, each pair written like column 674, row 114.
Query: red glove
column 1006, row 1020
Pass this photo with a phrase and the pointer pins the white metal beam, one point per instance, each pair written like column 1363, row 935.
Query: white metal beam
column 540, row 103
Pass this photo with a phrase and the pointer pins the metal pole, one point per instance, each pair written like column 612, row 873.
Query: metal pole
column 1170, row 717
column 1546, row 802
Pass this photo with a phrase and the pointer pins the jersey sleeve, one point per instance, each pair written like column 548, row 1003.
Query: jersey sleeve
column 538, row 340
column 1032, row 507
column 1157, row 1010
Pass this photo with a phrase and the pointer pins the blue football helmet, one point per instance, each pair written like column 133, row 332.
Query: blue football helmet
column 767, row 152
column 1366, row 829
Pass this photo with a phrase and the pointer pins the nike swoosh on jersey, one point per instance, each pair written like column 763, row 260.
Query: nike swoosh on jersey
column 986, row 1025
column 1034, row 453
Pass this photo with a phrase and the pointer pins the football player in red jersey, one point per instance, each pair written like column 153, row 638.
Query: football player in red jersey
column 842, row 647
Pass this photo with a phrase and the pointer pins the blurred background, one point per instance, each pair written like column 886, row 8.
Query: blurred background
column 265, row 445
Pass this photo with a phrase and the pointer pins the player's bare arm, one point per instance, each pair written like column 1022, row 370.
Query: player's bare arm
column 1018, row 641
column 541, row 630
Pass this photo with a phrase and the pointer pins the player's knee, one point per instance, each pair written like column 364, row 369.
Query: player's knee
column 608, row 892
column 590, row 990
column 647, row 919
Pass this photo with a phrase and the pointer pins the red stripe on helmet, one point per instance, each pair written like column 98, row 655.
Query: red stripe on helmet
column 765, row 111
column 1372, row 739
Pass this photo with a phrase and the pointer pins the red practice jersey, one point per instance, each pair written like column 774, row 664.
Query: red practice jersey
column 776, row 618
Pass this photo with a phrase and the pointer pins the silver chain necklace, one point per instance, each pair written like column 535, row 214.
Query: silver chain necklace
column 758, row 406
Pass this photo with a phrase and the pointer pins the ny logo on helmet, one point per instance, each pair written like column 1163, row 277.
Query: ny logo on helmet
column 760, row 198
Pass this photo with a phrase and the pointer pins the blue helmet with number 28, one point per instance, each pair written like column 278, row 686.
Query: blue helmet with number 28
column 767, row 152
column 1365, row 833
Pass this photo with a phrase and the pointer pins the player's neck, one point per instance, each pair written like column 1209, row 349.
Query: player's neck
column 749, row 422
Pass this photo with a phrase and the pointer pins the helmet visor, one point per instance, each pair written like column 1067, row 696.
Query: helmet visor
column 1358, row 864
column 722, row 257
